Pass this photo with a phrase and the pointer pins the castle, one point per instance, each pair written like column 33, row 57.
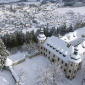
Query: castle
column 68, row 50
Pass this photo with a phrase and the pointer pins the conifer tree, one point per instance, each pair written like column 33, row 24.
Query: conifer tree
column 3, row 54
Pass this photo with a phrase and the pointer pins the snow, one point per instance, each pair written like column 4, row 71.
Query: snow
column 30, row 67
column 30, row 29
column 6, row 78
column 7, row 1
column 74, row 9
column 60, row 44
column 17, row 56
column 14, row 74
column 8, row 62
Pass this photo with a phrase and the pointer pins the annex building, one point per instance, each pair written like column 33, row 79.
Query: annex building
column 68, row 50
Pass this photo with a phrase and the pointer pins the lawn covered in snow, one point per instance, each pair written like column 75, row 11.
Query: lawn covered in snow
column 17, row 56
column 29, row 67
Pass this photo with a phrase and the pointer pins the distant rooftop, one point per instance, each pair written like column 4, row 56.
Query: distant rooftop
column 76, row 42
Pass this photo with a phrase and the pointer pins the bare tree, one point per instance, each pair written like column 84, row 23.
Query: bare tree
column 49, row 75
column 23, row 78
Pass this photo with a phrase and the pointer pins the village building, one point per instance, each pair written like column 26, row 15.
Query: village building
column 68, row 50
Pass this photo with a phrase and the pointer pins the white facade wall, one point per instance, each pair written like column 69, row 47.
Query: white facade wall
column 51, row 56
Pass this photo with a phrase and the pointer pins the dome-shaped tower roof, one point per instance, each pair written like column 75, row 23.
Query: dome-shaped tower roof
column 41, row 35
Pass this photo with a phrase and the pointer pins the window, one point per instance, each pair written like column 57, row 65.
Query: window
column 53, row 60
column 54, row 56
column 73, row 76
column 44, row 48
column 44, row 54
column 68, row 77
column 75, row 71
column 54, row 48
column 48, row 57
column 41, row 52
column 71, row 64
column 61, row 66
column 58, row 59
column 76, row 65
column 79, row 63
column 69, row 71
column 41, row 47
column 64, row 55
column 50, row 46
column 57, row 50
column 64, row 70
column 62, row 62
column 49, row 52
column 65, row 64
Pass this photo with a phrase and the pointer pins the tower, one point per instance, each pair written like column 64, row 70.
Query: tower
column 74, row 64
column 41, row 38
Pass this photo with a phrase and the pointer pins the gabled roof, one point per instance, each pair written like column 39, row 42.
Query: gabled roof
column 53, row 43
column 58, row 44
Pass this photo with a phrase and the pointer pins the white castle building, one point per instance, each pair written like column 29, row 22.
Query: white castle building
column 68, row 50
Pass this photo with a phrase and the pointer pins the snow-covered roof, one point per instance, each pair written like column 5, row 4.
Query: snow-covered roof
column 75, row 58
column 77, row 41
column 61, row 46
column 8, row 62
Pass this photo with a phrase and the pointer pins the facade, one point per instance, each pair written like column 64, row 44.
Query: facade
column 68, row 54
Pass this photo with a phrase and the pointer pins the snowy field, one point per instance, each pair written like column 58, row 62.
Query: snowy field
column 75, row 10
column 6, row 78
column 30, row 68
column 17, row 56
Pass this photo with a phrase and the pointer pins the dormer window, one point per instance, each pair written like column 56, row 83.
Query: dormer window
column 48, row 44
column 57, row 50
column 53, row 48
column 61, row 51
column 64, row 55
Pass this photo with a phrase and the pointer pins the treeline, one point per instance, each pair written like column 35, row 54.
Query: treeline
column 18, row 38
column 60, row 30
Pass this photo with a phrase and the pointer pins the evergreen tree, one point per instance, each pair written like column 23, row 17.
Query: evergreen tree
column 3, row 54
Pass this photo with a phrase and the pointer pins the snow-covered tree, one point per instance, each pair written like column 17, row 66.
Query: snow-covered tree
column 45, row 76
column 3, row 54
column 49, row 75
column 23, row 78
column 57, row 72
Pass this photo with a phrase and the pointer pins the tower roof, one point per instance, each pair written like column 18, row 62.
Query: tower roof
column 41, row 35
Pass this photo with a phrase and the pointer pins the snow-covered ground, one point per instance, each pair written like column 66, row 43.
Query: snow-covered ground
column 17, row 56
column 6, row 78
column 30, row 67
column 74, row 9
column 8, row 1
